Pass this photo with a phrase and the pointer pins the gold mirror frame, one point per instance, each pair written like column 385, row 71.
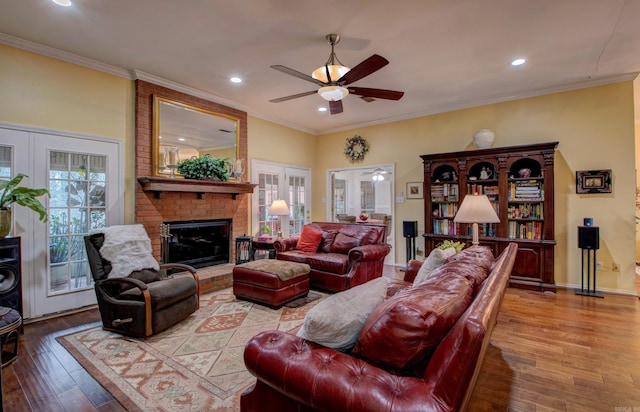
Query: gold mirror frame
column 204, row 131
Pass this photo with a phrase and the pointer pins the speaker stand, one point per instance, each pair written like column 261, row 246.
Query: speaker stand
column 411, row 250
column 590, row 265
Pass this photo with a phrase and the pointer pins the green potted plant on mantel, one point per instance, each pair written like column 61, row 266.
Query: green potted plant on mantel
column 11, row 193
column 205, row 167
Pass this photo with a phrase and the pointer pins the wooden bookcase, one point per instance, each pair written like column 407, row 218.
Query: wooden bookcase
column 519, row 183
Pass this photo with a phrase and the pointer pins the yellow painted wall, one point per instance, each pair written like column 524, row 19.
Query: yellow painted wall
column 43, row 92
column 595, row 129
column 636, row 110
column 275, row 143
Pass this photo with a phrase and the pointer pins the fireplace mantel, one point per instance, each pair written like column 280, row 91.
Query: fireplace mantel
column 159, row 185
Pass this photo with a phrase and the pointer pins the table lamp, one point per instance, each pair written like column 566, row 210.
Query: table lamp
column 476, row 209
column 279, row 208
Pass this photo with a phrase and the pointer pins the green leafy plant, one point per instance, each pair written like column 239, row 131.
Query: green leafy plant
column 24, row 196
column 205, row 167
column 446, row 244
column 266, row 229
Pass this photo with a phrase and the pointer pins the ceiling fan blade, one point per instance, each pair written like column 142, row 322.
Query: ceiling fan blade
column 293, row 96
column 335, row 107
column 296, row 73
column 365, row 68
column 377, row 93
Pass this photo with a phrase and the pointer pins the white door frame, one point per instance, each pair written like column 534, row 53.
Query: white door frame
column 284, row 171
column 35, row 254
column 390, row 259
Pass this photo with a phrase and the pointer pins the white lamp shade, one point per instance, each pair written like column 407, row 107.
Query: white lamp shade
column 333, row 93
column 335, row 72
column 476, row 209
column 279, row 208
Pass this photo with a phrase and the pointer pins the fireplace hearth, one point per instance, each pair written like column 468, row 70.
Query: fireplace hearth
column 198, row 243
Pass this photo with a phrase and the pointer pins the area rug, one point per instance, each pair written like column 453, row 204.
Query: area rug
column 196, row 365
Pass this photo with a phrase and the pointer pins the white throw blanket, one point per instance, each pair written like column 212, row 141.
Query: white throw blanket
column 128, row 248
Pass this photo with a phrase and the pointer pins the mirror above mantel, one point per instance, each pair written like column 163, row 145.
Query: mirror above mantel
column 181, row 131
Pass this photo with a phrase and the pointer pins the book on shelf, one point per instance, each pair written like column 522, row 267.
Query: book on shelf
column 444, row 192
column 526, row 190
column 445, row 227
column 525, row 211
column 522, row 230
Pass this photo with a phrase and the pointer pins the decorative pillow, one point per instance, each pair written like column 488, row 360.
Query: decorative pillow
column 328, row 236
column 343, row 243
column 336, row 321
column 309, row 240
column 436, row 258
column 403, row 331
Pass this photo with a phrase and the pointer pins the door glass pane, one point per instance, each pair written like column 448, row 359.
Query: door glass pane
column 5, row 162
column 339, row 197
column 367, row 197
column 77, row 184
column 267, row 192
column 296, row 204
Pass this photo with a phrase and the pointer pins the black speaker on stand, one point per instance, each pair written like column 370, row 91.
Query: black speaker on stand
column 589, row 242
column 410, row 232
column 10, row 274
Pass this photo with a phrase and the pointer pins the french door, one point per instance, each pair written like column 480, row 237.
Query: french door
column 84, row 178
column 277, row 181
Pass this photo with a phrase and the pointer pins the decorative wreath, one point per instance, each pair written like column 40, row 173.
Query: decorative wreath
column 355, row 148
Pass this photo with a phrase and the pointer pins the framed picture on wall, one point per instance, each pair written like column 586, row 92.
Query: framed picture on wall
column 414, row 190
column 593, row 181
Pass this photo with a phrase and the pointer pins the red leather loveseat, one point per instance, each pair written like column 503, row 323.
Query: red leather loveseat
column 399, row 363
column 348, row 255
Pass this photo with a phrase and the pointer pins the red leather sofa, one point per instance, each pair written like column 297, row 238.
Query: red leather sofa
column 348, row 255
column 297, row 375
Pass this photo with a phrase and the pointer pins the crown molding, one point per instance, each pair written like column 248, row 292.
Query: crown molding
column 492, row 100
column 169, row 84
column 64, row 56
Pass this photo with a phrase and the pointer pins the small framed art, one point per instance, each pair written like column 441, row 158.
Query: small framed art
column 593, row 181
column 414, row 190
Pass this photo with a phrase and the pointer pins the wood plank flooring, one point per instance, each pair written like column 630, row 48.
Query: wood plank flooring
column 549, row 352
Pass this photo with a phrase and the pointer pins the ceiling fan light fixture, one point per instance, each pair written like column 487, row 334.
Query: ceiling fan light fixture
column 336, row 71
column 377, row 177
column 333, row 93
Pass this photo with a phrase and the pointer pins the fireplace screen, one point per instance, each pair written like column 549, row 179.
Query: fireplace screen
column 198, row 243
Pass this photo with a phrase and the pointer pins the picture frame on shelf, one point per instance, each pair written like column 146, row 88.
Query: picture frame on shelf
column 593, row 181
column 414, row 190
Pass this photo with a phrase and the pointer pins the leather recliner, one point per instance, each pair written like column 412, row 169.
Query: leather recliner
column 145, row 302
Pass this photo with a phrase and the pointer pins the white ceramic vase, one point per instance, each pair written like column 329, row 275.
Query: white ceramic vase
column 483, row 138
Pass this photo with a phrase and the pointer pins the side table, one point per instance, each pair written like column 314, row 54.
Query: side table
column 263, row 245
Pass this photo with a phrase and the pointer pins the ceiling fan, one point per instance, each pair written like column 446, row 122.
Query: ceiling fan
column 377, row 174
column 334, row 79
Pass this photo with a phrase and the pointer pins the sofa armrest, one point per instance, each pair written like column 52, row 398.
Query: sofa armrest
column 283, row 245
column 369, row 252
column 328, row 380
column 412, row 270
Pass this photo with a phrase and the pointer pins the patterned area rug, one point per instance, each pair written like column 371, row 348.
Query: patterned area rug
column 196, row 365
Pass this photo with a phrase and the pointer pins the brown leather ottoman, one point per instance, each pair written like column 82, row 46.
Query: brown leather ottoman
column 271, row 282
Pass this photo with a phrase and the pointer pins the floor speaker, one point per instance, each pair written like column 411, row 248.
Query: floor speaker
column 588, row 237
column 410, row 229
column 10, row 274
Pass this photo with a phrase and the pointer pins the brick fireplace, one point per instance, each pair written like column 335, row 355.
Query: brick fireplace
column 152, row 211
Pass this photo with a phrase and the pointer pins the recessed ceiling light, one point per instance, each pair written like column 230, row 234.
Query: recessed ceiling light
column 182, row 139
column 235, row 79
column 65, row 3
column 518, row 62
column 322, row 109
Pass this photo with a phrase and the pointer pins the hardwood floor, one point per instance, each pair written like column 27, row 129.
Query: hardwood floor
column 548, row 352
